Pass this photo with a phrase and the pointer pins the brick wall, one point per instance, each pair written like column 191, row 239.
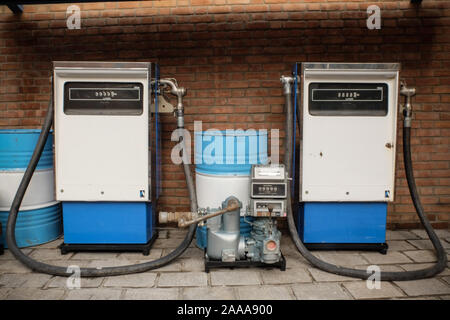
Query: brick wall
column 230, row 55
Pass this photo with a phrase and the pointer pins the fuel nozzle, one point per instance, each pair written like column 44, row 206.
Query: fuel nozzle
column 407, row 108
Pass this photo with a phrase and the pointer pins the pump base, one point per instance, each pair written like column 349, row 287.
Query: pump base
column 120, row 247
column 380, row 247
column 210, row 264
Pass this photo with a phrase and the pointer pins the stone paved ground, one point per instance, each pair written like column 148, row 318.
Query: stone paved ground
column 185, row 279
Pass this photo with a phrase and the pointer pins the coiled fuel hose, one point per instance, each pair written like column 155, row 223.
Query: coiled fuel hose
column 441, row 263
column 85, row 272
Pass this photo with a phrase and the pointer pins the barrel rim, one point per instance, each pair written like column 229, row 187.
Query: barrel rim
column 235, row 133
column 21, row 131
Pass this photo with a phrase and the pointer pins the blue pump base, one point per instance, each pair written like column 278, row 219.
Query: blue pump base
column 120, row 247
column 380, row 247
column 343, row 225
column 108, row 226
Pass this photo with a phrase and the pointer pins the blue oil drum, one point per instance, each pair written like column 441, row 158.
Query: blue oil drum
column 39, row 219
column 223, row 161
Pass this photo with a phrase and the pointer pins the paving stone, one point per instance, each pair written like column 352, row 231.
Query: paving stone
column 110, row 263
column 234, row 278
column 283, row 277
column 175, row 266
column 295, row 263
column 183, row 279
column 138, row 280
column 7, row 255
column 152, row 294
column 94, row 256
column 323, row 276
column 50, row 245
column 61, row 282
column 163, row 234
column 424, row 287
column 417, row 266
column 426, row 244
column 341, row 258
column 359, row 290
column 35, row 294
column 94, row 294
column 400, row 235
column 389, row 258
column 421, row 255
column 11, row 280
column 207, row 293
column 177, row 233
column 13, row 266
column 194, row 253
column 4, row 293
column 264, row 293
column 290, row 251
column 35, row 280
column 445, row 297
column 153, row 255
column 167, row 243
column 49, row 254
column 441, row 233
column 400, row 245
column 193, row 264
column 417, row 298
column 320, row 291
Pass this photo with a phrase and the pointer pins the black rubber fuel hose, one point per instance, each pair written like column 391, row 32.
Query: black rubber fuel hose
column 84, row 272
column 429, row 272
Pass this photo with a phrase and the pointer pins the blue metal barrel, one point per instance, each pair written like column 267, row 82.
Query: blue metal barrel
column 229, row 152
column 223, row 161
column 39, row 219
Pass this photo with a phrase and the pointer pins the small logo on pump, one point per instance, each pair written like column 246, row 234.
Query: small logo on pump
column 142, row 193
column 387, row 194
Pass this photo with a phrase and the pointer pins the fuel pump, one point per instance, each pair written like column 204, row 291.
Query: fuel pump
column 90, row 112
column 347, row 115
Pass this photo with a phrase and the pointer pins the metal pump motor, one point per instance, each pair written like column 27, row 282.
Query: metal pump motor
column 226, row 245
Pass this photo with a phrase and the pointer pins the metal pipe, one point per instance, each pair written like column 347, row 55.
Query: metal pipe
column 407, row 108
column 232, row 206
column 287, row 90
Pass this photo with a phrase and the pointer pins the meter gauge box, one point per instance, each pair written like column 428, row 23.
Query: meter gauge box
column 268, row 181
column 267, row 208
column 268, row 172
column 268, row 190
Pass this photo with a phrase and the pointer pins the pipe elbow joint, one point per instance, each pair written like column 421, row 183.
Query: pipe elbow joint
column 287, row 83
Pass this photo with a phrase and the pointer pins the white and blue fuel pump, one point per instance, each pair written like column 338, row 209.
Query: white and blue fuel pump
column 105, row 155
column 347, row 163
column 347, row 116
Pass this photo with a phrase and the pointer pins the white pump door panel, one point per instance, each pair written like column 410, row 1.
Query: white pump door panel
column 349, row 157
column 101, row 157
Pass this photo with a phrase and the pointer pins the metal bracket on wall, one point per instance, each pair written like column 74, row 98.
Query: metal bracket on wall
column 163, row 105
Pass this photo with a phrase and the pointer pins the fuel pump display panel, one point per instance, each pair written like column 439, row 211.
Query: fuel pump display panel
column 103, row 98
column 348, row 99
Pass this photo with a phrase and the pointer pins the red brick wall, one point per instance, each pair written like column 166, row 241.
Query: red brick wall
column 230, row 55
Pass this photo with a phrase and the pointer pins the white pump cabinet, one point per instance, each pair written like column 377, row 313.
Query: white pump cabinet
column 102, row 131
column 348, row 141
